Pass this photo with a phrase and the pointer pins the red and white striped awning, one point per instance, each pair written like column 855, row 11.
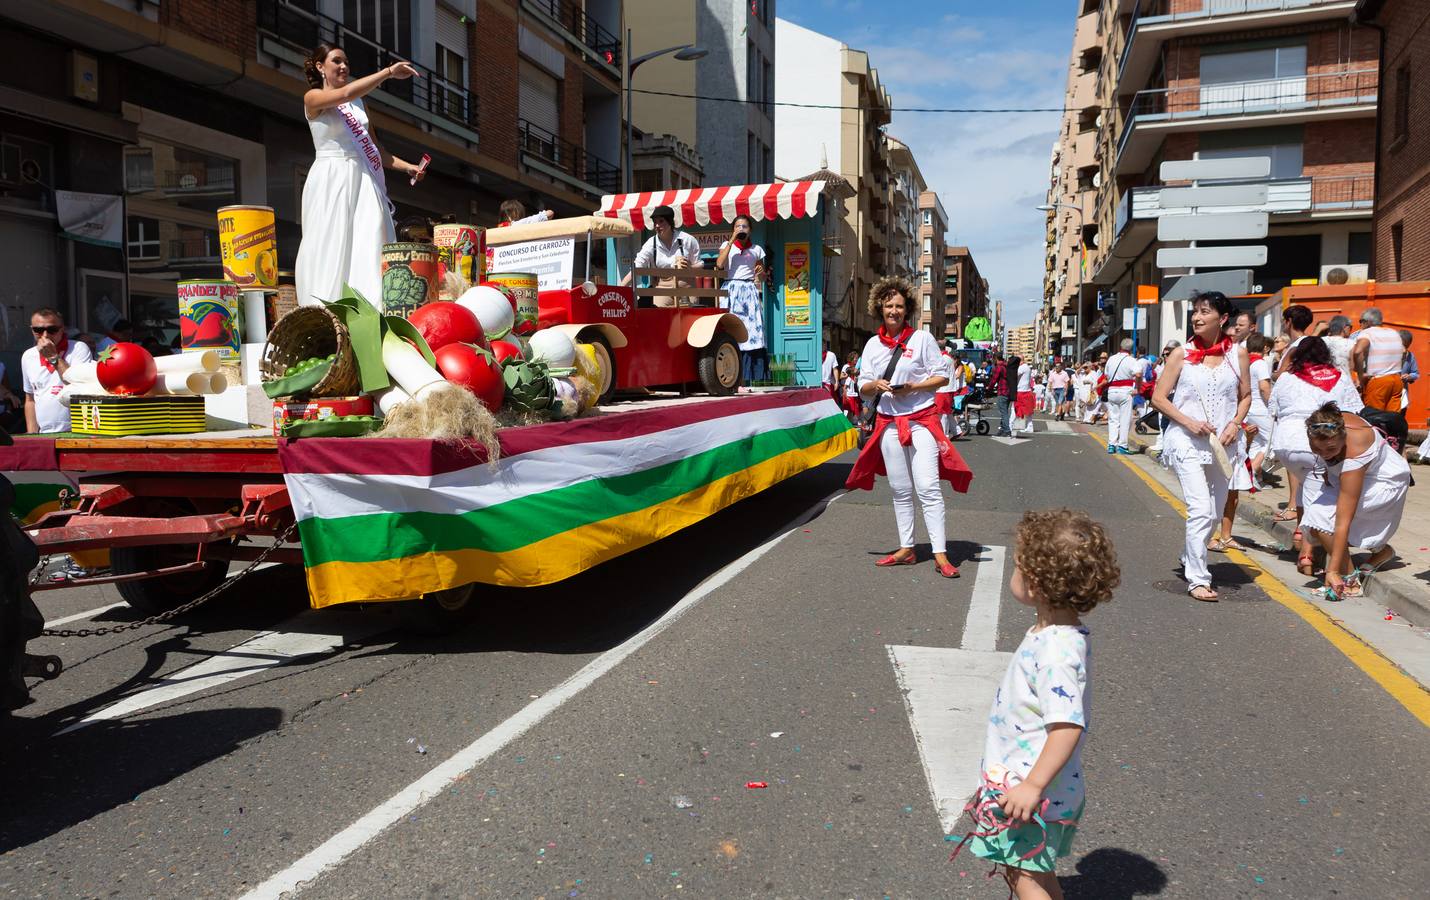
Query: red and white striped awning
column 718, row 205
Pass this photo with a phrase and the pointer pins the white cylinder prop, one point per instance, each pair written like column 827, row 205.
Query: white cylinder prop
column 182, row 383
column 207, row 361
column 255, row 317
column 83, row 373
column 389, row 399
column 218, row 383
column 83, row 389
column 406, row 366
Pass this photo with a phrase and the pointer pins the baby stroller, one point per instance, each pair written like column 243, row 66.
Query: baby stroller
column 969, row 407
column 1148, row 423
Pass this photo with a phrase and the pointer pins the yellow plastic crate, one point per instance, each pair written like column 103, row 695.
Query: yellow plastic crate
column 119, row 416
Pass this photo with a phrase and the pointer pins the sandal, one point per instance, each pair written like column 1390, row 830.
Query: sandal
column 1206, row 595
column 947, row 570
column 1286, row 515
column 894, row 559
column 1221, row 546
column 1306, row 565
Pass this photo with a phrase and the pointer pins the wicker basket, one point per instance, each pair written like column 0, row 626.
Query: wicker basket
column 304, row 333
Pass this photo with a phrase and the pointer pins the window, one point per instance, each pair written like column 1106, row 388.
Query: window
column 752, row 71
column 143, row 238
column 767, row 83
column 1358, row 248
column 138, row 169
column 186, row 178
column 1266, row 77
column 385, row 22
column 928, row 245
column 928, row 217
column 928, row 304
column 538, row 103
column 928, row 275
column 451, row 66
column 1397, row 247
column 1282, row 145
column 768, row 169
column 1402, row 103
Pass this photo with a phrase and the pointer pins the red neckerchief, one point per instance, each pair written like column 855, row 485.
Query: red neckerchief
column 742, row 245
column 1253, row 357
column 503, row 224
column 891, row 342
column 1199, row 349
column 61, row 346
column 1320, row 375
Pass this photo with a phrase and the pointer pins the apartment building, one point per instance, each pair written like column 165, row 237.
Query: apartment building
column 965, row 291
column 735, row 140
column 1292, row 80
column 933, row 253
column 1401, row 240
column 185, row 106
column 847, row 137
column 900, row 210
column 1021, row 342
column 663, row 162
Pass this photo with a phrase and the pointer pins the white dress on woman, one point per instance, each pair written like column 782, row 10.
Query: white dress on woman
column 1292, row 400
column 346, row 214
column 1209, row 394
column 1382, row 496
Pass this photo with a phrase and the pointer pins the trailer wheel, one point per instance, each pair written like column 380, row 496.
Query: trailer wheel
column 156, row 595
column 719, row 366
column 981, row 427
column 441, row 612
column 607, row 358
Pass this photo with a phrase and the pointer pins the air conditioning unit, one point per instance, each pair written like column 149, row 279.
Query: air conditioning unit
column 1345, row 274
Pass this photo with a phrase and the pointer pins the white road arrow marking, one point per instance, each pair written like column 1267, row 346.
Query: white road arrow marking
column 948, row 692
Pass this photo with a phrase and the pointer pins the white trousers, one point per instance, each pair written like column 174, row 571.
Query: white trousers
column 1119, row 415
column 914, row 470
column 1204, row 489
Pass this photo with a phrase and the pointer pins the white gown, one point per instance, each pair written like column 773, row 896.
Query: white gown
column 346, row 218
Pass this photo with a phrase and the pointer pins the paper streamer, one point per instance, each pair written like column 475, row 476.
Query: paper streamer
column 255, row 317
column 83, row 373
column 389, row 399
column 206, row 361
column 406, row 365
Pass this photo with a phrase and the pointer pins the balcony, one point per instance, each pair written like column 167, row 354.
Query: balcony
column 1154, row 23
column 585, row 31
column 1343, row 94
column 551, row 154
column 195, row 249
column 287, row 31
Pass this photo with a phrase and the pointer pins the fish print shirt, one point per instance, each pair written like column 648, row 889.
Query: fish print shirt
column 1046, row 683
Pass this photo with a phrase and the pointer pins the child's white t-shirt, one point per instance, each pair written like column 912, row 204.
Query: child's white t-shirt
column 1046, row 683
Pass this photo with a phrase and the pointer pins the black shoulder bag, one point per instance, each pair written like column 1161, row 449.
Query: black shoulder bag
column 870, row 410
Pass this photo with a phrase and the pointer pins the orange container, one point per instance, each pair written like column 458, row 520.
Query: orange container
column 246, row 240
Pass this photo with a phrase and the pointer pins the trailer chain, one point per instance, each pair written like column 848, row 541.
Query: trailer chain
column 178, row 610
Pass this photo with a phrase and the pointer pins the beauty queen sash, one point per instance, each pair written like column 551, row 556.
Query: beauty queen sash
column 367, row 150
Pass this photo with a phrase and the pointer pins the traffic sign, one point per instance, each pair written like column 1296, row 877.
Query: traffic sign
column 1200, row 257
column 1213, row 227
column 1232, row 282
column 1202, row 169
column 1133, row 319
column 1217, row 195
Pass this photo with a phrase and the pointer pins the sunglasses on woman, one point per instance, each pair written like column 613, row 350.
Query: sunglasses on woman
column 1324, row 427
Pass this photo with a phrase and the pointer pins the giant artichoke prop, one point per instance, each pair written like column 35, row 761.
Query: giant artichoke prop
column 528, row 386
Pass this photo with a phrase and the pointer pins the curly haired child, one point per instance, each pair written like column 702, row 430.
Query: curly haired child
column 1064, row 565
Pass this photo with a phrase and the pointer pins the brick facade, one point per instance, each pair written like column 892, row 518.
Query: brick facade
column 226, row 23
column 1402, row 215
column 494, row 79
column 573, row 112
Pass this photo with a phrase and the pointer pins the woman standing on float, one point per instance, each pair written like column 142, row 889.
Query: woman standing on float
column 1210, row 380
column 346, row 214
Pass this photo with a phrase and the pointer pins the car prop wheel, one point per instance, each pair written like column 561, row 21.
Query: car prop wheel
column 607, row 358
column 720, row 366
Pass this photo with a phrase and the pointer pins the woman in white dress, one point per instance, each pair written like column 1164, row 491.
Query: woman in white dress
column 1310, row 382
column 1205, row 393
column 1355, row 497
column 346, row 214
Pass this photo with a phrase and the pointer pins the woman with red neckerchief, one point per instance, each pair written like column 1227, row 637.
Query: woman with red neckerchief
column 1211, row 382
column 908, row 443
column 1311, row 381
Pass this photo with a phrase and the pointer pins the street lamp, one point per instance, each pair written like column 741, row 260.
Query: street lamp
column 1052, row 207
column 684, row 53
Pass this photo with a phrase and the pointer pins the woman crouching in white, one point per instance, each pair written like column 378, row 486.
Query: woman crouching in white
column 903, row 367
column 1355, row 498
column 1210, row 379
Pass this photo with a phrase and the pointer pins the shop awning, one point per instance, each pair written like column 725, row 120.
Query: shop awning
column 718, row 205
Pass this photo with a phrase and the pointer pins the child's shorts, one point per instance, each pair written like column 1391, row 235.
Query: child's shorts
column 1007, row 847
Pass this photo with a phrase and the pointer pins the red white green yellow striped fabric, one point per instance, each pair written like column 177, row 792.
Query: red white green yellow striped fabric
column 391, row 519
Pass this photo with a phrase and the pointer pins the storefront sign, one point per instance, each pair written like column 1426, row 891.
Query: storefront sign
column 797, row 275
column 551, row 261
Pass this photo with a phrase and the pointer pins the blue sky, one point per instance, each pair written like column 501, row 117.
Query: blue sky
column 989, row 170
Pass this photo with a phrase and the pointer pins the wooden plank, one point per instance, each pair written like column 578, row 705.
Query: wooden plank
column 123, row 444
column 681, row 292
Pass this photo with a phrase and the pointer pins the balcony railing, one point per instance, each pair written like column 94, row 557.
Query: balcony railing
column 1315, row 193
column 585, row 29
column 1322, row 90
column 194, row 249
column 1156, row 12
column 299, row 28
column 567, row 157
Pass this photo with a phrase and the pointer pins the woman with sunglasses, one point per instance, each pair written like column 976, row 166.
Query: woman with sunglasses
column 1354, row 498
column 1311, row 381
column 1205, row 393
column 43, row 367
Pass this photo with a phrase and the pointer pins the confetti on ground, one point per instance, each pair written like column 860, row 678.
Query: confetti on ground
column 680, row 801
column 649, row 858
column 775, row 734
column 753, row 785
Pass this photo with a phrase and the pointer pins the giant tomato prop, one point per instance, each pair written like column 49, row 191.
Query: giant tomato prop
column 126, row 369
column 504, row 350
column 473, row 369
column 446, row 323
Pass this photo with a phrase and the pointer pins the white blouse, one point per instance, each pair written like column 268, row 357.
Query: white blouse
column 1210, row 395
column 920, row 361
column 1293, row 400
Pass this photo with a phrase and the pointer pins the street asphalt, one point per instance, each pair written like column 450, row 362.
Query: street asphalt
column 1233, row 750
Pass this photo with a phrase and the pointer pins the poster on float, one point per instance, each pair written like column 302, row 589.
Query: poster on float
column 550, row 260
column 797, row 275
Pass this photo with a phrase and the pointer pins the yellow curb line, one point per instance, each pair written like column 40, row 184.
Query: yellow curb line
column 1406, row 691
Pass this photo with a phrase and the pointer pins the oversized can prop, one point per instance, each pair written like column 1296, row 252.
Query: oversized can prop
column 409, row 277
column 246, row 240
column 210, row 318
column 524, row 287
column 463, row 248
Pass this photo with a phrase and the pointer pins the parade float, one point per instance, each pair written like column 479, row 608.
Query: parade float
column 411, row 447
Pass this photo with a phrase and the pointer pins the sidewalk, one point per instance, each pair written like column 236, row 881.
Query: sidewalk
column 1403, row 585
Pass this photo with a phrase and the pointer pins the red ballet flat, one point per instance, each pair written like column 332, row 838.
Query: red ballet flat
column 947, row 570
column 893, row 559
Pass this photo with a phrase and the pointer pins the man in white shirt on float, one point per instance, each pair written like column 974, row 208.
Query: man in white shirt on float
column 668, row 248
column 43, row 367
